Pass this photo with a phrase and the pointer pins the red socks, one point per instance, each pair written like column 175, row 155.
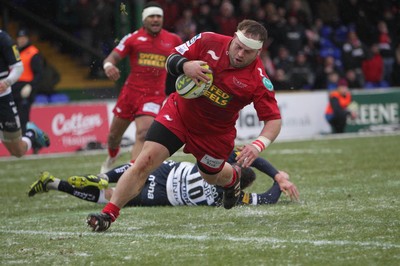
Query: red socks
column 234, row 177
column 113, row 152
column 112, row 210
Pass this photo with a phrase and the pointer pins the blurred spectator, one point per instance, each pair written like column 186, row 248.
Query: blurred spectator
column 332, row 81
column 215, row 8
column 353, row 53
column 323, row 70
column 284, row 60
column 337, row 111
column 301, row 10
column 205, row 21
column 301, row 74
column 280, row 80
column 372, row 68
column 102, row 24
column 67, row 19
column 186, row 27
column 24, row 90
column 295, row 35
column 276, row 25
column 173, row 9
column 50, row 78
column 352, row 80
column 386, row 50
column 268, row 63
column 245, row 10
column 396, row 67
column 327, row 11
column 84, row 11
column 226, row 19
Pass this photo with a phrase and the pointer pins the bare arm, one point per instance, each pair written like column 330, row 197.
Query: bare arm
column 249, row 153
column 109, row 65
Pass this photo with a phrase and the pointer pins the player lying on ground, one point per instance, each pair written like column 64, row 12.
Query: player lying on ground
column 167, row 185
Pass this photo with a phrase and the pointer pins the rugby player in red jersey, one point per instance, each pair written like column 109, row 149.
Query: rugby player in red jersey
column 206, row 125
column 143, row 93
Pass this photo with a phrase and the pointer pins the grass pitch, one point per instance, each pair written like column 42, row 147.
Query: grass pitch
column 348, row 214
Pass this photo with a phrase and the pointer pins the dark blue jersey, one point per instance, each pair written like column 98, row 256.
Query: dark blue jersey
column 177, row 183
column 9, row 54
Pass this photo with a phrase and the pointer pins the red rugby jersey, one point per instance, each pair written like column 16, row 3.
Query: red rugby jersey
column 232, row 89
column 147, row 55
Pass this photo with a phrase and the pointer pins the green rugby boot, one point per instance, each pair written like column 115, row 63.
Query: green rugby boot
column 88, row 181
column 40, row 185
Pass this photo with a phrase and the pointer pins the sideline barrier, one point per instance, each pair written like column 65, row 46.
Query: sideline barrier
column 72, row 126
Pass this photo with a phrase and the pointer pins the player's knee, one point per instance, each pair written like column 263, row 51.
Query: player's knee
column 17, row 152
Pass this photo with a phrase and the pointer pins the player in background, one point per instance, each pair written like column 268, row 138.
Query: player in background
column 167, row 185
column 143, row 93
column 11, row 136
column 206, row 125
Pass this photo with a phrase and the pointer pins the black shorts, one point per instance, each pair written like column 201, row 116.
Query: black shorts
column 154, row 192
column 10, row 126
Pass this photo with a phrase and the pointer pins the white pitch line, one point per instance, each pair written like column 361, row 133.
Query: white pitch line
column 260, row 240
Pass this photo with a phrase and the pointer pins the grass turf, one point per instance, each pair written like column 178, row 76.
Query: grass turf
column 348, row 214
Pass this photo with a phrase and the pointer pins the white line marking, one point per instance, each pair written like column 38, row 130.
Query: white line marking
column 260, row 240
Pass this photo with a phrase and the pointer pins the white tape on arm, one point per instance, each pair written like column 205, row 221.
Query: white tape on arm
column 261, row 143
column 107, row 64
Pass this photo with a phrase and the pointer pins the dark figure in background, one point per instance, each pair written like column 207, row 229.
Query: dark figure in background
column 24, row 90
column 337, row 110
column 50, row 78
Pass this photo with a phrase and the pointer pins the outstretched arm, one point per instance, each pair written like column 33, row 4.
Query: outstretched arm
column 272, row 195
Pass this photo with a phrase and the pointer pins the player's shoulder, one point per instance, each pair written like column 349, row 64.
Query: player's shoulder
column 212, row 36
column 5, row 38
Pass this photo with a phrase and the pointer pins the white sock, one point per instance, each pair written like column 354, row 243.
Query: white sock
column 102, row 197
column 53, row 185
column 28, row 142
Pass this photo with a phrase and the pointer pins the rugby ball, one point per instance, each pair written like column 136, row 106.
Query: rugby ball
column 186, row 87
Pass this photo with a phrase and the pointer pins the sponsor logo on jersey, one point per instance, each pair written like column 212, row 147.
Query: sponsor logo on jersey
column 193, row 40
column 217, row 96
column 168, row 118
column 239, row 83
column 150, row 191
column 153, row 60
column 268, row 84
column 211, row 161
column 151, row 107
column 16, row 52
column 182, row 48
column 213, row 55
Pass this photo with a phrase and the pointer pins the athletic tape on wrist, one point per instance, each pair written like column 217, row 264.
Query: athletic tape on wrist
column 107, row 64
column 261, row 143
